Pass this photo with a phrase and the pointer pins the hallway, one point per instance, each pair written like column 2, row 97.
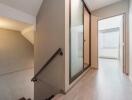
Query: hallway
column 108, row 83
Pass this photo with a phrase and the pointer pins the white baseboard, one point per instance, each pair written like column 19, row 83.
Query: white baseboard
column 130, row 78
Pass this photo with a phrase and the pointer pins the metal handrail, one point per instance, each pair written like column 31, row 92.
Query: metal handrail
column 59, row 51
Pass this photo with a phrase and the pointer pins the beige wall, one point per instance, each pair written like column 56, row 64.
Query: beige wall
column 94, row 42
column 130, row 38
column 50, row 35
column 16, row 66
column 16, row 53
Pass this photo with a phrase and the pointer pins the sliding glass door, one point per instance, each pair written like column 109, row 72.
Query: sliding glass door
column 76, row 38
column 80, row 38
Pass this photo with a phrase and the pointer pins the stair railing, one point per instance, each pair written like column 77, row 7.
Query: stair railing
column 58, row 52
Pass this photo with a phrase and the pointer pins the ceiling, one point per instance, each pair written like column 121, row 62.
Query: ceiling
column 28, row 6
column 32, row 6
column 12, row 24
column 96, row 4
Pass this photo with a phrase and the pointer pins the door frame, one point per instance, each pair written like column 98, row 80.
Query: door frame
column 125, row 42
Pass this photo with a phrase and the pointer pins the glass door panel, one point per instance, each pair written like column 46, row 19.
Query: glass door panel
column 76, row 38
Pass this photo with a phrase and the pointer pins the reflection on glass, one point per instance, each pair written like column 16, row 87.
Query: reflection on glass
column 76, row 35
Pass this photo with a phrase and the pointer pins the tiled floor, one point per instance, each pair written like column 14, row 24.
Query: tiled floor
column 107, row 83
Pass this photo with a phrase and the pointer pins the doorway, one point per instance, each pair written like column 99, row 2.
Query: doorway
column 110, row 42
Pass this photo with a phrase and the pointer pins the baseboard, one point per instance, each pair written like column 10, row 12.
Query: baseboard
column 94, row 68
column 130, row 78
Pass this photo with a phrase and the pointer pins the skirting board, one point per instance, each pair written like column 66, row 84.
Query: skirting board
column 130, row 78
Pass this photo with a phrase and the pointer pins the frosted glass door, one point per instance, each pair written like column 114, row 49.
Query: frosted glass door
column 76, row 38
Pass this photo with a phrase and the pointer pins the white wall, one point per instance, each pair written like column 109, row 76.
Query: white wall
column 130, row 38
